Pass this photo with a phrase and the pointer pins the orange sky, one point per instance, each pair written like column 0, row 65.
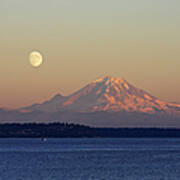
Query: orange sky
column 82, row 40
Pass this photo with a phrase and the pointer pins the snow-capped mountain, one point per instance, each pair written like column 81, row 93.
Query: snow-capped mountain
column 108, row 94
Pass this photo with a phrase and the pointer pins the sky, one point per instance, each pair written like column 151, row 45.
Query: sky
column 82, row 40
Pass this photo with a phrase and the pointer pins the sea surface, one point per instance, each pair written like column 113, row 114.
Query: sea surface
column 90, row 159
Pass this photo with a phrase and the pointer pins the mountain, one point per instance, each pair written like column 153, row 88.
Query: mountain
column 106, row 94
column 105, row 102
column 48, row 106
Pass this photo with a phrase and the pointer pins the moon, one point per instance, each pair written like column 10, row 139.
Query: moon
column 35, row 58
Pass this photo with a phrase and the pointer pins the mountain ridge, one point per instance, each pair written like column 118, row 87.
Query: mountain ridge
column 106, row 93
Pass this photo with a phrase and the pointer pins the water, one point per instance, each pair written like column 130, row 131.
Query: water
column 90, row 159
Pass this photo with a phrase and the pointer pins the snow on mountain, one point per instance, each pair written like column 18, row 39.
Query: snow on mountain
column 106, row 94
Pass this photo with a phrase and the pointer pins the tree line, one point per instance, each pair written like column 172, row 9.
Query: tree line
column 64, row 130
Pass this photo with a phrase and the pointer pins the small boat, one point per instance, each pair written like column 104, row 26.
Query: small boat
column 43, row 139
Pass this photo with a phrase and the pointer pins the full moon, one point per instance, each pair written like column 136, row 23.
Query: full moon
column 35, row 59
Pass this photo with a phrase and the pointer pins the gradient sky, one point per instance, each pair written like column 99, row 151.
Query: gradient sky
column 84, row 39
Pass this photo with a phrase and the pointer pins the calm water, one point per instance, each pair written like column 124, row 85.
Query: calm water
column 90, row 159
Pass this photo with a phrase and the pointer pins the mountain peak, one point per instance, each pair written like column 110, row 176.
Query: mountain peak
column 109, row 79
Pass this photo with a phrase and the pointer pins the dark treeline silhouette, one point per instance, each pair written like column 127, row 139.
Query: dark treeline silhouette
column 62, row 130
